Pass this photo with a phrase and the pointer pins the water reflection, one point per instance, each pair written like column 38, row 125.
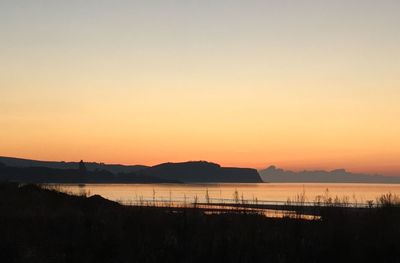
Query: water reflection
column 221, row 198
column 226, row 193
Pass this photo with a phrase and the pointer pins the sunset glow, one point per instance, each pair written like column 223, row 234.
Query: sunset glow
column 310, row 85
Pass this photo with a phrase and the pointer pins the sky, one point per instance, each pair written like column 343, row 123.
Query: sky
column 301, row 84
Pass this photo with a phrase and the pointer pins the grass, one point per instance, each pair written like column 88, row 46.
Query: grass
column 43, row 225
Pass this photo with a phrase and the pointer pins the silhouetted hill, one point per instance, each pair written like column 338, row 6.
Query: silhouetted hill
column 203, row 172
column 90, row 166
column 73, row 176
column 273, row 174
column 32, row 171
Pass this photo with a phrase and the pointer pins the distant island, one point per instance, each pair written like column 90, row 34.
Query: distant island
column 276, row 175
column 33, row 171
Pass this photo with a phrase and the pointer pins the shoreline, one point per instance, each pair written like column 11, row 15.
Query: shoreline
column 43, row 225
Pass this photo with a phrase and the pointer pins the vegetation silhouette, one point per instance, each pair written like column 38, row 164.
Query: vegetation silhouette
column 42, row 225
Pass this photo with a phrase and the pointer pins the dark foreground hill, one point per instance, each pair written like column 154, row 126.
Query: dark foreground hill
column 38, row 225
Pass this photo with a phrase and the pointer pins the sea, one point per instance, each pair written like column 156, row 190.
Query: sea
column 269, row 193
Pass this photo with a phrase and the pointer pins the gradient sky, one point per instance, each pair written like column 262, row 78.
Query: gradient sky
column 300, row 84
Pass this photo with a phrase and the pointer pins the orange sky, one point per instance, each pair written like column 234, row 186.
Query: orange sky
column 303, row 86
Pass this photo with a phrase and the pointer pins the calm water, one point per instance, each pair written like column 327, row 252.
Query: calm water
column 269, row 192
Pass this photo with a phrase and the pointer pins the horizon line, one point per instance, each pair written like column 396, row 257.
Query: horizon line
column 237, row 166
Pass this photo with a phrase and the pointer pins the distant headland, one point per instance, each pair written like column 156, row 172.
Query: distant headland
column 33, row 171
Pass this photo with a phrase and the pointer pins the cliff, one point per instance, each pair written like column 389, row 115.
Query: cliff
column 203, row 172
